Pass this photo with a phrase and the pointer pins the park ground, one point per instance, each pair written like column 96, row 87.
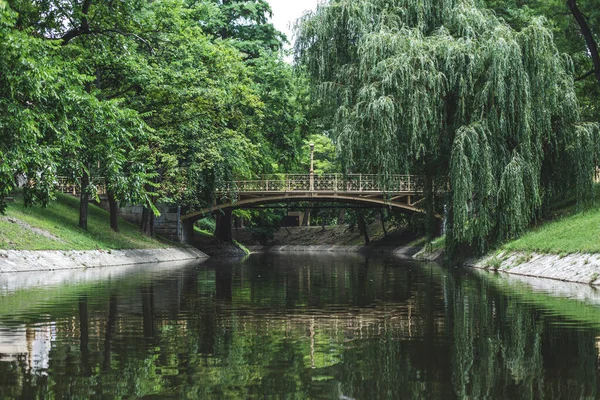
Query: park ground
column 55, row 228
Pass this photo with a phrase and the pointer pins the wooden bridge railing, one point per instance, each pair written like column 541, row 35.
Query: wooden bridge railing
column 353, row 183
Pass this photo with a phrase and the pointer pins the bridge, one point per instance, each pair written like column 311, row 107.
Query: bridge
column 404, row 192
column 397, row 191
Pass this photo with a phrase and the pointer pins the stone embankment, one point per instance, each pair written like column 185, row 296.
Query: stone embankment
column 579, row 268
column 401, row 251
column 47, row 260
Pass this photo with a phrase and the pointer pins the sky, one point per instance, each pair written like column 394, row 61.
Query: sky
column 285, row 13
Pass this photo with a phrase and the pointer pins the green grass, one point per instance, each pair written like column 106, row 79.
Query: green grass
column 60, row 219
column 241, row 246
column 578, row 233
column 436, row 244
column 202, row 232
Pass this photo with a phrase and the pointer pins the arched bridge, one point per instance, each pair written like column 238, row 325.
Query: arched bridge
column 397, row 191
column 400, row 191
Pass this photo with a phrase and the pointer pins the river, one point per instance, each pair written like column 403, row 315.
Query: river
column 321, row 326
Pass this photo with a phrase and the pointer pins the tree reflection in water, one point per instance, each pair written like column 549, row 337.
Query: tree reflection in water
column 318, row 326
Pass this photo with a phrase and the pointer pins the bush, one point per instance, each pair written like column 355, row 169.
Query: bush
column 207, row 224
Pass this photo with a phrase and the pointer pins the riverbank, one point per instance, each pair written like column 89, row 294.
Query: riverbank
column 335, row 239
column 56, row 228
column 566, row 249
column 53, row 260
column 334, row 235
column 578, row 267
column 405, row 252
column 49, row 239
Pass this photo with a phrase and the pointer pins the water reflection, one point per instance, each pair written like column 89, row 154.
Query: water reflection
column 307, row 326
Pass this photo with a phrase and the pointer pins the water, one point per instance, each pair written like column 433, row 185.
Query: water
column 296, row 326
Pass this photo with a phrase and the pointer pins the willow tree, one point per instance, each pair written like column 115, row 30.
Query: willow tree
column 447, row 90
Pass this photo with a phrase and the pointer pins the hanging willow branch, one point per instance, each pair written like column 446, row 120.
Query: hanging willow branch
column 445, row 89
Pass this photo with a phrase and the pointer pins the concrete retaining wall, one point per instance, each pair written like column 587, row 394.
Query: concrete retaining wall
column 402, row 251
column 166, row 225
column 580, row 268
column 47, row 260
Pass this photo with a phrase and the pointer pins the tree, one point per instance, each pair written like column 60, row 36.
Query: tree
column 160, row 98
column 96, row 133
column 589, row 37
column 37, row 88
column 275, row 84
column 575, row 27
column 246, row 22
column 452, row 93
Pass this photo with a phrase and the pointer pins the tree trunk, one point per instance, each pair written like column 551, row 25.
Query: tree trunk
column 84, row 200
column 113, row 208
column 382, row 218
column 147, row 222
column 306, row 218
column 588, row 36
column 430, row 218
column 341, row 220
column 362, row 227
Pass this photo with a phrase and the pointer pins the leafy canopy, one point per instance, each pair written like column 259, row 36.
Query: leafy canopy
column 447, row 90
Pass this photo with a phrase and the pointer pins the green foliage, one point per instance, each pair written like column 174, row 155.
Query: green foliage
column 245, row 21
column 567, row 35
column 493, row 263
column 450, row 91
column 276, row 86
column 263, row 226
column 31, row 108
column 325, row 155
column 165, row 99
column 206, row 224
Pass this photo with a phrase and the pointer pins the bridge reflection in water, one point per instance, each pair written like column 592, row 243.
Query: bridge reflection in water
column 317, row 325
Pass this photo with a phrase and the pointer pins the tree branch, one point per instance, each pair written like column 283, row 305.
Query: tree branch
column 82, row 29
column 122, row 92
column 588, row 35
column 141, row 39
column 582, row 77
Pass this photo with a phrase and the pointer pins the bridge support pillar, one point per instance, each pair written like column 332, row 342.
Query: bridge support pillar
column 223, row 229
column 187, row 231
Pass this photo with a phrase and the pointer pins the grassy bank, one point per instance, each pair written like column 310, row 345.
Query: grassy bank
column 577, row 233
column 55, row 228
column 568, row 234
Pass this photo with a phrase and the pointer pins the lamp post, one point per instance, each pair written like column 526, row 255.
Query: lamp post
column 312, row 171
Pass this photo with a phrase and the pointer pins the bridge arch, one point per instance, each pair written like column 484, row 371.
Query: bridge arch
column 404, row 202
column 397, row 191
